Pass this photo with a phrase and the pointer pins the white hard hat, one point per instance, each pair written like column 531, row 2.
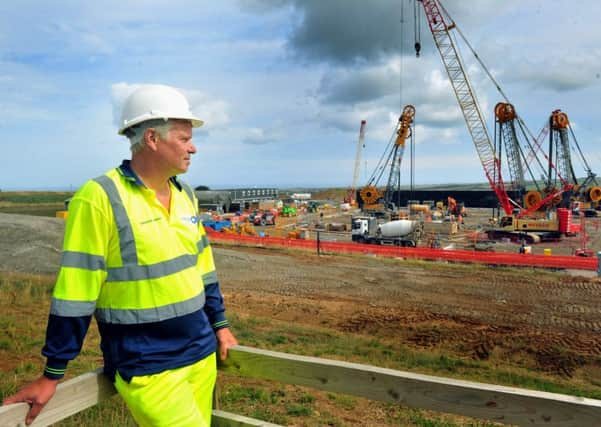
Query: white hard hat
column 152, row 102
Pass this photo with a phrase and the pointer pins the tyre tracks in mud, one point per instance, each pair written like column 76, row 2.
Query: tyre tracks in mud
column 552, row 319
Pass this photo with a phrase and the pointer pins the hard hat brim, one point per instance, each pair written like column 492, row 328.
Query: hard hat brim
column 196, row 122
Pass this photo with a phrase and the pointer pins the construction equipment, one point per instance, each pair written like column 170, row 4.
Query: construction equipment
column 467, row 100
column 506, row 141
column 505, row 119
column 587, row 192
column 583, row 250
column 351, row 197
column 288, row 211
column 264, row 218
column 297, row 234
column 245, row 229
column 373, row 199
column 368, row 229
column 516, row 219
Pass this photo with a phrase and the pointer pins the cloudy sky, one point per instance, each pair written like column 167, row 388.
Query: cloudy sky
column 283, row 84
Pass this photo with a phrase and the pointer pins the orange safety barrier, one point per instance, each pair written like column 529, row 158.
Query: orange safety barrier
column 493, row 258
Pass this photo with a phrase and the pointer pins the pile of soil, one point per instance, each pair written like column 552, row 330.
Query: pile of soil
column 30, row 244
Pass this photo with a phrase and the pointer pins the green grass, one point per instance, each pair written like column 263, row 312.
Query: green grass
column 39, row 203
column 295, row 339
column 34, row 197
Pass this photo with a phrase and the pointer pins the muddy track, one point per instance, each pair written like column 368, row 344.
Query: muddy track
column 552, row 321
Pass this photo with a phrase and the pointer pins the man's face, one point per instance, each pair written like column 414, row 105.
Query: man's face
column 176, row 150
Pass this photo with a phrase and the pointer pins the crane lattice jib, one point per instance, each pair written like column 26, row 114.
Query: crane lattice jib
column 403, row 132
column 358, row 157
column 516, row 171
column 506, row 116
column 537, row 144
column 564, row 158
column 467, row 101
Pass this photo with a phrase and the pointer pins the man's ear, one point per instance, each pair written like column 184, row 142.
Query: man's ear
column 151, row 138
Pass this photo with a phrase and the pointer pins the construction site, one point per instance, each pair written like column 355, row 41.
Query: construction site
column 535, row 198
column 498, row 282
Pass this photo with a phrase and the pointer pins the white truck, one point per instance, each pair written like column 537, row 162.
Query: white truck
column 401, row 232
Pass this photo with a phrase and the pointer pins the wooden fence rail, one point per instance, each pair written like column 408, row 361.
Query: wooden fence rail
column 492, row 402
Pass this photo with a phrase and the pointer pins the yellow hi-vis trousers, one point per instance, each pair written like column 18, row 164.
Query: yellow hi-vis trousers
column 181, row 397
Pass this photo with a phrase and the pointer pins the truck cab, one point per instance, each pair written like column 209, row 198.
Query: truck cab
column 362, row 228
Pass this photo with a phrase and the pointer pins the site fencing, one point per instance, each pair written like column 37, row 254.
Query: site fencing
column 434, row 254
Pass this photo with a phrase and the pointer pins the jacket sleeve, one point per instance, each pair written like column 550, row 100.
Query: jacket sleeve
column 64, row 338
column 80, row 278
column 214, row 307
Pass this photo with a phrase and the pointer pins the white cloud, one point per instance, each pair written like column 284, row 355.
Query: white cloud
column 259, row 136
column 291, row 80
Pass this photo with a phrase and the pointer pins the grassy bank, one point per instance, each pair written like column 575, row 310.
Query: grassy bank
column 39, row 203
column 33, row 197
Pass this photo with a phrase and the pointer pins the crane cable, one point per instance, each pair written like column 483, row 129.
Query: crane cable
column 582, row 158
column 401, row 60
column 375, row 177
column 417, row 29
column 488, row 73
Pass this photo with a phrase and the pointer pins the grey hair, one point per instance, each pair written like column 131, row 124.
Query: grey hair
column 136, row 133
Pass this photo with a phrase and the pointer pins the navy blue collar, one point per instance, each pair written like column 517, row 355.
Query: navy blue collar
column 129, row 174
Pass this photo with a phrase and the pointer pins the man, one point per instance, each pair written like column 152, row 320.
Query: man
column 136, row 257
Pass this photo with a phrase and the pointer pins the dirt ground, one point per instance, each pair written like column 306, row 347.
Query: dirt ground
column 551, row 321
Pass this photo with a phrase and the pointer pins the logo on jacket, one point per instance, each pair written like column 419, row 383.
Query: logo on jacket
column 192, row 219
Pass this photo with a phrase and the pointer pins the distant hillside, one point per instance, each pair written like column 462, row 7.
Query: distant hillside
column 337, row 193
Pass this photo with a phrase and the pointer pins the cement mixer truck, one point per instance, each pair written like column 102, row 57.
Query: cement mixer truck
column 370, row 230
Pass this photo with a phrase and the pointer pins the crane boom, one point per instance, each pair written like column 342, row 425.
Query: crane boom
column 360, row 144
column 403, row 132
column 559, row 140
column 467, row 100
column 505, row 116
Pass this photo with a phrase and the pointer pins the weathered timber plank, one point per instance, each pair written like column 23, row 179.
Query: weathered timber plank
column 87, row 390
column 485, row 401
column 498, row 403
column 227, row 419
column 71, row 397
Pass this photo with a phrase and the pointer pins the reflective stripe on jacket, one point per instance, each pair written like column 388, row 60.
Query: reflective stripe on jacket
column 146, row 274
column 140, row 263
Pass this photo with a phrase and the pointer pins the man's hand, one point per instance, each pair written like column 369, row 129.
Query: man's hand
column 225, row 339
column 37, row 394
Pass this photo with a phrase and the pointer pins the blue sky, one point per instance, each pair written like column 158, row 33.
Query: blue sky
column 282, row 84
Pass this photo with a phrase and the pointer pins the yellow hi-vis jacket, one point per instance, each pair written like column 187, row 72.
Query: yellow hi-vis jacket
column 146, row 274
